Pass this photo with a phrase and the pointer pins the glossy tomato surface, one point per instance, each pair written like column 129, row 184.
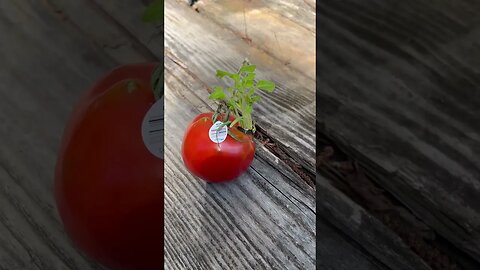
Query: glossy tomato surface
column 211, row 161
column 108, row 186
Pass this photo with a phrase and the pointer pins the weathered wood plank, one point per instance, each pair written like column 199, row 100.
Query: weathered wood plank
column 364, row 229
column 260, row 25
column 299, row 11
column 13, row 255
column 102, row 30
column 202, row 46
column 264, row 220
column 37, row 249
column 46, row 62
column 399, row 89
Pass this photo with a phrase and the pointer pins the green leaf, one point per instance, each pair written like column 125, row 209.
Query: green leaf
column 256, row 99
column 248, row 68
column 249, row 80
column 154, row 12
column 250, row 76
column 248, row 83
column 217, row 93
column 266, row 85
column 235, row 77
column 221, row 73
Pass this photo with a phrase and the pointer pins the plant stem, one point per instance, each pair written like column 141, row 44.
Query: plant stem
column 247, row 121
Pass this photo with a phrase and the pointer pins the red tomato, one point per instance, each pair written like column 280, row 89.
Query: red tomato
column 108, row 186
column 216, row 162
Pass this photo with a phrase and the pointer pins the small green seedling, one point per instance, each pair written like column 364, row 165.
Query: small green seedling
column 239, row 98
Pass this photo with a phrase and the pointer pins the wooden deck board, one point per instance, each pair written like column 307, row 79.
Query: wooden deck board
column 400, row 89
column 364, row 229
column 262, row 26
column 47, row 61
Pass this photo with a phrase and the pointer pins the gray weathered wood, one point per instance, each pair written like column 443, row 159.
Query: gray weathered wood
column 46, row 62
column 365, row 229
column 260, row 25
column 400, row 89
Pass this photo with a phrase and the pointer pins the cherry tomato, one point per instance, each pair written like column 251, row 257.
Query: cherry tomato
column 212, row 161
column 108, row 185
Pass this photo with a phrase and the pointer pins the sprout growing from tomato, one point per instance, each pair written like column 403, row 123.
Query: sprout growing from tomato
column 239, row 98
column 207, row 151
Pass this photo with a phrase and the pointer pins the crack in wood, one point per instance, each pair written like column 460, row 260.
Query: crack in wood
column 289, row 198
column 270, row 143
column 355, row 180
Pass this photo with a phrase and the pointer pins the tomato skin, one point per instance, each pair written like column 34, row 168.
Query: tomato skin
column 108, row 186
column 214, row 162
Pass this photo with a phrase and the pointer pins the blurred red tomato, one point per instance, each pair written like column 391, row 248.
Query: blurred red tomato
column 109, row 186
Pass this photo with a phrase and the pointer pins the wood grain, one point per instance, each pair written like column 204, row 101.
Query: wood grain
column 364, row 229
column 262, row 27
column 400, row 89
column 47, row 61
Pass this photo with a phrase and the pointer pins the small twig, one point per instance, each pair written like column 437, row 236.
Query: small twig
column 245, row 24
